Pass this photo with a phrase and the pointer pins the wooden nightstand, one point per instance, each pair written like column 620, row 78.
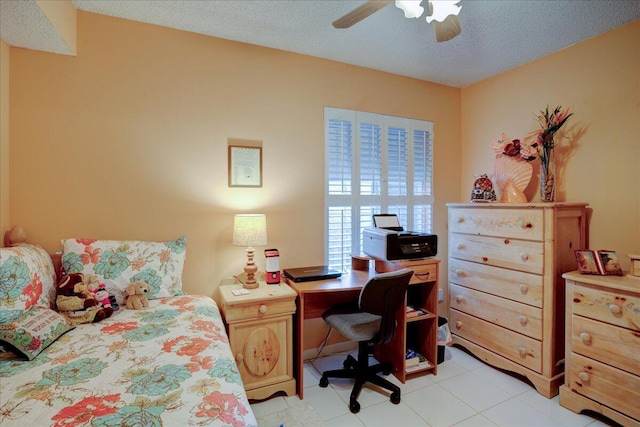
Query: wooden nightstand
column 260, row 328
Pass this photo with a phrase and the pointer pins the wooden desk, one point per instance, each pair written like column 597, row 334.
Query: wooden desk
column 317, row 296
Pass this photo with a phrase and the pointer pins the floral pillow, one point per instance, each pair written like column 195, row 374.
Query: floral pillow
column 118, row 263
column 27, row 278
column 33, row 331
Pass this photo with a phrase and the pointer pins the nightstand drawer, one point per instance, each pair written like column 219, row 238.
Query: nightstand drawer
column 615, row 308
column 522, row 350
column 252, row 311
column 512, row 223
column 512, row 315
column 514, row 285
column 610, row 344
column 509, row 253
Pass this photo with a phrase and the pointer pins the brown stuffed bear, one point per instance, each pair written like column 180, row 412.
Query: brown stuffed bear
column 135, row 297
column 76, row 303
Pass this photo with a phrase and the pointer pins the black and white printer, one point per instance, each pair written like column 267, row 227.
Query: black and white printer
column 388, row 241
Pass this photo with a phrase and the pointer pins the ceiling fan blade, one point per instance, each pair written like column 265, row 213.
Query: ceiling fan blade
column 359, row 13
column 447, row 29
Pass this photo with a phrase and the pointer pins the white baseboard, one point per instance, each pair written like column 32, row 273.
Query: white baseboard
column 328, row 350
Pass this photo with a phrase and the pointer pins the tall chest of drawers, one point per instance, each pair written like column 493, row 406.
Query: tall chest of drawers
column 603, row 347
column 506, row 292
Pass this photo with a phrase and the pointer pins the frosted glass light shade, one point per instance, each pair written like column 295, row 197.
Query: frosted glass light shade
column 250, row 230
column 411, row 8
column 443, row 8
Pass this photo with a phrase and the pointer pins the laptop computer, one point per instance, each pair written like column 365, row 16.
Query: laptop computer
column 308, row 274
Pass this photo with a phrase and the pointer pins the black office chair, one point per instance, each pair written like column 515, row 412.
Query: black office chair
column 371, row 322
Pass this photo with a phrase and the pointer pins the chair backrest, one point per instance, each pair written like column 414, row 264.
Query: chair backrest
column 383, row 295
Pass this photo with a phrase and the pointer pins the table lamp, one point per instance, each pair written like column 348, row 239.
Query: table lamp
column 250, row 230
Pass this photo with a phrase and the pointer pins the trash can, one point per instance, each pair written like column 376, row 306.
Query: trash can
column 444, row 337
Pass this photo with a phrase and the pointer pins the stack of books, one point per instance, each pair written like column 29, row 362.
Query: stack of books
column 415, row 312
column 415, row 361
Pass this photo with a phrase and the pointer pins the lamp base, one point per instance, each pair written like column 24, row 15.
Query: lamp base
column 250, row 268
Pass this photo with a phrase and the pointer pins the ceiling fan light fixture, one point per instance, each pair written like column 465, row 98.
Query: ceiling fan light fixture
column 411, row 8
column 441, row 9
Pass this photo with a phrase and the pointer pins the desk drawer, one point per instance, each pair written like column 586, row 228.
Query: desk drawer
column 512, row 345
column 252, row 310
column 512, row 315
column 610, row 344
column 520, row 255
column 423, row 272
column 511, row 223
column 514, row 285
column 605, row 384
column 616, row 308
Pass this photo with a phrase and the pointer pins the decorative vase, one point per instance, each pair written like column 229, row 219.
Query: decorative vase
column 548, row 178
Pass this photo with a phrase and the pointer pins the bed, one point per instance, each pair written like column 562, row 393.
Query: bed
column 169, row 364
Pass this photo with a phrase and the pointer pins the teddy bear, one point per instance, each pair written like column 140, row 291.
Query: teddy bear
column 75, row 302
column 135, row 297
column 102, row 296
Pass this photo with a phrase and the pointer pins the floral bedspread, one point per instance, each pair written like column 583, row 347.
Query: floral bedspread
column 168, row 365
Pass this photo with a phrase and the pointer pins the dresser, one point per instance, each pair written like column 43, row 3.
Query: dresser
column 603, row 346
column 506, row 292
column 260, row 328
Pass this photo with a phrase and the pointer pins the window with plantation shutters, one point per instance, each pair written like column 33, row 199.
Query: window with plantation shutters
column 373, row 164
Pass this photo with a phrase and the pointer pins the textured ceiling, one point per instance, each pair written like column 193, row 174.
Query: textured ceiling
column 496, row 35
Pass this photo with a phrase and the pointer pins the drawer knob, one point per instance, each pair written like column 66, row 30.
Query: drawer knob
column 524, row 289
column 460, row 219
column 458, row 324
column 459, row 299
column 615, row 309
column 522, row 351
column 524, row 256
column 239, row 357
column 460, row 273
column 263, row 309
column 583, row 376
column 460, row 246
column 527, row 225
column 585, row 337
column 506, row 241
column 523, row 320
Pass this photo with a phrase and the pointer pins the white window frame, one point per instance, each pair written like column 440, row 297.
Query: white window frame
column 356, row 200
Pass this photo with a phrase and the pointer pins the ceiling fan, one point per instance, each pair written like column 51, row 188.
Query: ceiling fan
column 443, row 15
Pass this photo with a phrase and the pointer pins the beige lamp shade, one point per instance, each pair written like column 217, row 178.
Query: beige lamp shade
column 250, row 230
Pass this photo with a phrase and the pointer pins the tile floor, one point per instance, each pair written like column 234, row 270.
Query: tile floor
column 466, row 392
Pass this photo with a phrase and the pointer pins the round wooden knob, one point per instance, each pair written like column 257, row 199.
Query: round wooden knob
column 239, row 357
column 506, row 241
column 460, row 246
column 615, row 309
column 583, row 376
column 263, row 309
column 524, row 256
column 522, row 351
column 524, row 289
column 585, row 337
column 458, row 324
column 523, row 320
column 459, row 273
column 459, row 299
column 460, row 219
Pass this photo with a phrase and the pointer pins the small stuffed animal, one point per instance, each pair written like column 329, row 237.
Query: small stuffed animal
column 135, row 297
column 102, row 296
column 75, row 302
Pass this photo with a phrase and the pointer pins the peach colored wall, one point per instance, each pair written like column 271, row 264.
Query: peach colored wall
column 4, row 139
column 62, row 15
column 128, row 140
column 599, row 79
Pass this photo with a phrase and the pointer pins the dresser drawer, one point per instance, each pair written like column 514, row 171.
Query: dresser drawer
column 605, row 384
column 610, row 344
column 515, row 285
column 253, row 310
column 518, row 255
column 512, row 315
column 512, row 223
column 617, row 308
column 512, row 345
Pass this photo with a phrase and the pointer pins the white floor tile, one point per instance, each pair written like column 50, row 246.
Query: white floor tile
column 437, row 406
column 506, row 382
column 476, row 421
column 325, row 401
column 268, row 407
column 448, row 369
column 348, row 420
column 387, row 414
column 552, row 408
column 463, row 359
column 475, row 391
column 515, row 412
column 311, row 375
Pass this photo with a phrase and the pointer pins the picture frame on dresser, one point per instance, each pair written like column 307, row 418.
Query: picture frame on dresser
column 587, row 263
column 608, row 263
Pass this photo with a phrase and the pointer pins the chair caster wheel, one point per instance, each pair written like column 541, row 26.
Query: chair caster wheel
column 386, row 371
column 395, row 398
column 346, row 364
column 354, row 407
column 324, row 382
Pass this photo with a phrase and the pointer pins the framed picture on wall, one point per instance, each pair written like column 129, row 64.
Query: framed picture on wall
column 587, row 263
column 245, row 166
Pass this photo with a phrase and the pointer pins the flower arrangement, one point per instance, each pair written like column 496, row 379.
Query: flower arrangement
column 514, row 148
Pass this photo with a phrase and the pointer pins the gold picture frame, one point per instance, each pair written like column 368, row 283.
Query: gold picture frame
column 245, row 166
